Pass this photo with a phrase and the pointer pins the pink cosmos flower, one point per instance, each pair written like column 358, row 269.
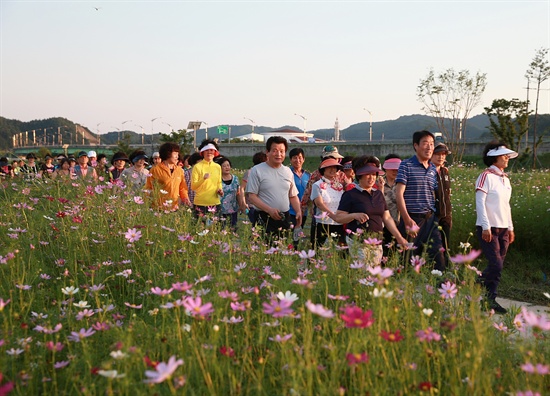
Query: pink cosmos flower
column 240, row 306
column 355, row 317
column 533, row 320
column 163, row 371
column 500, row 327
column 182, row 287
column 527, row 393
column 84, row 314
column 4, row 303
column 466, row 258
column 319, row 309
column 197, row 308
column 138, row 200
column 356, row 358
column 278, row 308
column 132, row 235
column 372, row 241
column 133, row 306
column 381, row 273
column 535, row 369
column 417, row 262
column 282, row 339
column 83, row 333
column 161, row 292
column 54, row 347
column 306, row 255
column 62, row 364
column 448, row 290
column 428, row 335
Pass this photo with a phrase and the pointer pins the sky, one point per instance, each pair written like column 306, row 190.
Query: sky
column 273, row 62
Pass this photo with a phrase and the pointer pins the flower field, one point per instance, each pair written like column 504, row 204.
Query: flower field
column 100, row 294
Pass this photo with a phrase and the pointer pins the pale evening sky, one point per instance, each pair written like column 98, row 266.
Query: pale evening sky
column 222, row 61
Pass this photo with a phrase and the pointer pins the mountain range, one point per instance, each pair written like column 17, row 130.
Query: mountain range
column 393, row 130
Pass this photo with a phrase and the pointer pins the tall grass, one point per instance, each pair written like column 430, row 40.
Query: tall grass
column 60, row 236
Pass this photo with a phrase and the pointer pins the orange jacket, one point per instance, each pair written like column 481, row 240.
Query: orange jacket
column 161, row 180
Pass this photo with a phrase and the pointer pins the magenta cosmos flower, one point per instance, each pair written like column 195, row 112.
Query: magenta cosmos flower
column 163, row 371
column 356, row 358
column 428, row 335
column 355, row 317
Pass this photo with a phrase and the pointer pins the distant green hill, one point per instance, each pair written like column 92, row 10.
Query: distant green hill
column 398, row 129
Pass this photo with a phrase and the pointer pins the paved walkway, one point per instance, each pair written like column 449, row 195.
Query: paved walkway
column 538, row 309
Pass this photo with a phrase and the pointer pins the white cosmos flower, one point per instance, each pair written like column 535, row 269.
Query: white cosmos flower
column 163, row 192
column 288, row 296
column 70, row 290
column 437, row 272
column 381, row 293
column 110, row 374
column 428, row 311
column 82, row 304
column 118, row 355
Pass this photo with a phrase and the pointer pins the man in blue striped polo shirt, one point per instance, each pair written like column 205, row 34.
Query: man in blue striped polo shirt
column 415, row 193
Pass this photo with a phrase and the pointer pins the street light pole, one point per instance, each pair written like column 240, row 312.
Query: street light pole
column 206, row 130
column 305, row 122
column 124, row 122
column 370, row 127
column 153, row 132
column 98, row 135
column 253, row 123
column 142, row 139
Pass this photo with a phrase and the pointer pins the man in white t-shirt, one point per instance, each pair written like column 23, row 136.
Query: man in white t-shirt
column 271, row 190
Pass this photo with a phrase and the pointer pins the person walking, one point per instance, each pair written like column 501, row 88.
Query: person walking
column 415, row 193
column 326, row 194
column 364, row 211
column 230, row 200
column 443, row 208
column 271, row 190
column 495, row 230
column 206, row 180
column 167, row 182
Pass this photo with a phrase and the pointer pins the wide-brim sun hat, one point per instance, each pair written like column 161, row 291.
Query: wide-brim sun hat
column 120, row 156
column 367, row 169
column 348, row 165
column 330, row 162
column 392, row 164
column 209, row 146
column 502, row 150
column 331, row 151
column 442, row 147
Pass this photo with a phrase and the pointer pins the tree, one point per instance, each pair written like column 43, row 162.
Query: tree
column 511, row 122
column 182, row 137
column 449, row 97
column 538, row 72
column 124, row 144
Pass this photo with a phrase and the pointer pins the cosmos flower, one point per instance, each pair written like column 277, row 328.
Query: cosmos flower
column 448, row 290
column 132, row 235
column 163, row 371
column 287, row 296
column 319, row 309
column 428, row 335
column 357, row 358
column 196, row 308
column 282, row 339
column 466, row 258
column 539, row 368
column 391, row 336
column 278, row 309
column 355, row 317
column 83, row 333
column 70, row 290
column 113, row 374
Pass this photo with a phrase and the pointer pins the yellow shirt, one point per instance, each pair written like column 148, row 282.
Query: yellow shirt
column 206, row 190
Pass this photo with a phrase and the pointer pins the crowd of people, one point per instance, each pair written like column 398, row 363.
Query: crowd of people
column 363, row 205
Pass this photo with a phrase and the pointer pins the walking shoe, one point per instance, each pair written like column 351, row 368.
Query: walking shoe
column 492, row 304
